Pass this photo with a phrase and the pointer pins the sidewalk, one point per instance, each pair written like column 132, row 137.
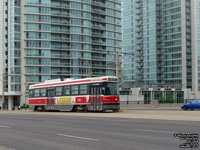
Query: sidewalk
column 174, row 115
column 150, row 107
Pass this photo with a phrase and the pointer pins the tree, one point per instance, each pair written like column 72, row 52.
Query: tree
column 169, row 98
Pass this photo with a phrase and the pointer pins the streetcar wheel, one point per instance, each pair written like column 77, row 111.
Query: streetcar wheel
column 85, row 109
column 74, row 109
column 43, row 109
column 115, row 110
column 36, row 108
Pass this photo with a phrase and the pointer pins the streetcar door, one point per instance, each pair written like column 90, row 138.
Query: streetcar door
column 51, row 92
column 50, row 98
column 95, row 98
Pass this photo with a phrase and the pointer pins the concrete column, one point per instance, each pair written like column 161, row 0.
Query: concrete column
column 23, row 79
column 1, row 49
column 10, row 103
column 174, row 96
column 152, row 97
column 195, row 55
column 1, row 103
column 165, row 95
column 183, row 33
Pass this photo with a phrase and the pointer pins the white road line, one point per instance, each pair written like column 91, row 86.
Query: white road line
column 1, row 126
column 77, row 137
column 55, row 122
column 145, row 130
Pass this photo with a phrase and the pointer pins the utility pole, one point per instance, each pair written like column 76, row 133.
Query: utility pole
column 90, row 69
column 117, row 65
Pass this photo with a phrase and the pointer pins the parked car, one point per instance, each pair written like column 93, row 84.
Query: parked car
column 193, row 104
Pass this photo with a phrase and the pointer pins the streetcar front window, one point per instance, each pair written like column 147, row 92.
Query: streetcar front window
column 31, row 94
column 110, row 89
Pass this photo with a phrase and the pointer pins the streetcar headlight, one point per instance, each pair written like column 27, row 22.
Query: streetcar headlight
column 116, row 99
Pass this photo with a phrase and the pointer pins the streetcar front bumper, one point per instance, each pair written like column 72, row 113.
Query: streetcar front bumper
column 111, row 106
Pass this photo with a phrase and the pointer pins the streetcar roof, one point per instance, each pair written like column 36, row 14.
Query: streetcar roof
column 70, row 81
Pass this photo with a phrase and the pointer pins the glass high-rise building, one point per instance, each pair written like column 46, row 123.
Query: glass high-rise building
column 164, row 36
column 51, row 39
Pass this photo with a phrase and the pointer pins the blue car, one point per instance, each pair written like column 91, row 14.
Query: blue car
column 194, row 104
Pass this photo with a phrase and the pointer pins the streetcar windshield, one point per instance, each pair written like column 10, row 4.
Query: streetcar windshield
column 110, row 89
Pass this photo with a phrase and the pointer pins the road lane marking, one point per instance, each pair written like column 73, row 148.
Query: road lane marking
column 78, row 137
column 146, row 130
column 55, row 122
column 6, row 148
column 1, row 126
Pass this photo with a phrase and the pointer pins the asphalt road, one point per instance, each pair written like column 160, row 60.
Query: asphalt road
column 50, row 132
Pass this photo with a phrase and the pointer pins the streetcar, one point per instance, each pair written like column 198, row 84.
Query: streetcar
column 88, row 94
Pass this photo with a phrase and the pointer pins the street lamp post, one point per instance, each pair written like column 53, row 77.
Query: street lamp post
column 90, row 69
column 117, row 65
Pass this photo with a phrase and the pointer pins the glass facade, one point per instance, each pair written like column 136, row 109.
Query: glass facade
column 128, row 41
column 5, row 44
column 172, row 43
column 158, row 32
column 71, row 39
column 198, row 39
column 15, row 45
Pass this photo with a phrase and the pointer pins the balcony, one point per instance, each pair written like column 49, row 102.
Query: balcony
column 139, row 41
column 99, row 27
column 98, row 42
column 139, row 23
column 139, row 54
column 98, row 49
column 139, row 11
column 98, row 34
column 98, row 4
column 60, row 39
column 99, row 66
column 99, row 19
column 99, row 73
column 60, row 22
column 99, row 58
column 60, row 72
column 138, row 1
column 98, row 11
column 60, row 64
column 139, row 60
column 60, row 14
column 60, row 47
column 60, row 56
column 139, row 35
column 139, row 4
column 139, row 66
column 60, row 30
column 60, row 6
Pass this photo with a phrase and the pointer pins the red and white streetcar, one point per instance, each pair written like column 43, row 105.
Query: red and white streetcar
column 89, row 94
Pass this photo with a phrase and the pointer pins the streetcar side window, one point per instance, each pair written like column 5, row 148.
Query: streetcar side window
column 31, row 93
column 43, row 92
column 37, row 93
column 83, row 89
column 66, row 90
column 51, row 92
column 74, row 89
column 58, row 91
